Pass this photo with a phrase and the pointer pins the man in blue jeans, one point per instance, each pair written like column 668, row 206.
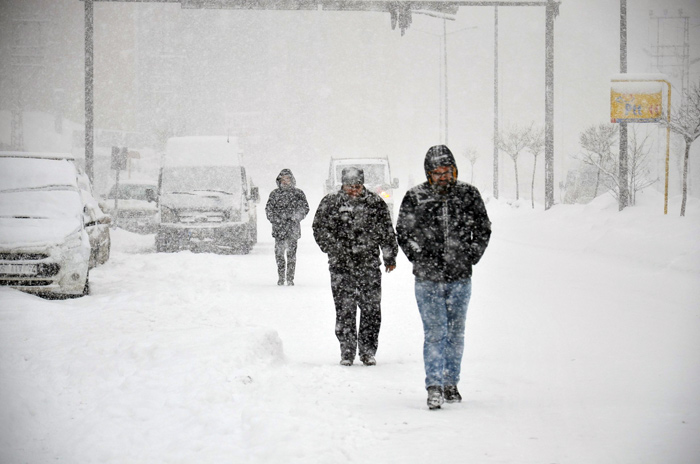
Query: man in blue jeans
column 443, row 229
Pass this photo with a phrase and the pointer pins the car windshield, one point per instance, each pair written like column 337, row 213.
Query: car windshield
column 374, row 173
column 41, row 204
column 131, row 191
column 188, row 179
column 35, row 173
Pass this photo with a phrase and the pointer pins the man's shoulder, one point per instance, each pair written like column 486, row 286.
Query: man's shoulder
column 421, row 191
column 330, row 198
column 464, row 188
column 371, row 196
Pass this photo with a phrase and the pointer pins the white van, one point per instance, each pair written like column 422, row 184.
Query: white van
column 377, row 176
column 206, row 200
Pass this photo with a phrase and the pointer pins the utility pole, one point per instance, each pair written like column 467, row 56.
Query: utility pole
column 444, row 53
column 671, row 51
column 552, row 10
column 89, row 103
column 622, row 171
column 495, row 103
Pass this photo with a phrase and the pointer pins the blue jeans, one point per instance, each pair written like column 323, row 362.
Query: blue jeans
column 443, row 309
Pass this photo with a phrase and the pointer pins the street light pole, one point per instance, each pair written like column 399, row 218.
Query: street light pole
column 444, row 48
column 89, row 82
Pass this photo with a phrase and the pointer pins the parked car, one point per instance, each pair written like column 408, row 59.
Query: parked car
column 133, row 206
column 97, row 223
column 44, row 243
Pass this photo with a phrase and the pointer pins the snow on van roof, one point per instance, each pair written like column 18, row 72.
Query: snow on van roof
column 202, row 151
column 373, row 159
column 361, row 156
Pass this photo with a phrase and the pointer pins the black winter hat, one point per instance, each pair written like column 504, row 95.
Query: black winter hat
column 352, row 176
column 438, row 155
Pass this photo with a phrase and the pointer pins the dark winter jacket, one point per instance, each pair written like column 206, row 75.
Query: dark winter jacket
column 351, row 231
column 443, row 235
column 285, row 209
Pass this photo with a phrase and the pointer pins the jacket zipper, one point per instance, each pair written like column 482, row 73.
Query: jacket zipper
column 445, row 226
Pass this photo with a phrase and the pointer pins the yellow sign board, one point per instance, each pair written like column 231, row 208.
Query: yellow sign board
column 635, row 107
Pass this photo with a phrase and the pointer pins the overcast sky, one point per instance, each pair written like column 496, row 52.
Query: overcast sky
column 345, row 83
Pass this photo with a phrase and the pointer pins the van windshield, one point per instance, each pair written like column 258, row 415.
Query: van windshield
column 374, row 173
column 202, row 178
column 131, row 191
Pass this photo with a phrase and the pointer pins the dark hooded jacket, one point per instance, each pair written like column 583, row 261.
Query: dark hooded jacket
column 443, row 235
column 285, row 209
column 351, row 231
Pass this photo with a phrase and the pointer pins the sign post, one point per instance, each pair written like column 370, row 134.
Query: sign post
column 119, row 157
column 639, row 98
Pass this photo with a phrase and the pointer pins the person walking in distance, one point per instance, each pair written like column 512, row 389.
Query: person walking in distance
column 285, row 209
column 444, row 229
column 352, row 226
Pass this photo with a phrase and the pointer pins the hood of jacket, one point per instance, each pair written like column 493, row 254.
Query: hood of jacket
column 286, row 172
column 438, row 155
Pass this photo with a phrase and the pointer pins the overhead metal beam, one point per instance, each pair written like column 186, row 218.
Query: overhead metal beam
column 400, row 12
column 344, row 5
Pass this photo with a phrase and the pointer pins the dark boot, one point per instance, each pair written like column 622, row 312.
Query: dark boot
column 435, row 398
column 452, row 394
column 368, row 360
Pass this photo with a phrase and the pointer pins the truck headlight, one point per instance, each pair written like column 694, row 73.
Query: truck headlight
column 232, row 215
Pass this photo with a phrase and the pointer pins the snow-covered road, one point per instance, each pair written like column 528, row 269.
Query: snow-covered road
column 583, row 342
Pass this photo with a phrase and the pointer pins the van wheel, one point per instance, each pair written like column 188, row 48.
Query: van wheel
column 254, row 234
column 163, row 244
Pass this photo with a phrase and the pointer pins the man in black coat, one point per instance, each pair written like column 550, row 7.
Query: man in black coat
column 285, row 209
column 443, row 229
column 351, row 226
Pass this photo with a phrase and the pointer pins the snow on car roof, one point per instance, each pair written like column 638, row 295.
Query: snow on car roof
column 42, row 155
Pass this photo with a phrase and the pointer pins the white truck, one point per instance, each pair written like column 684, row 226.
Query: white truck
column 377, row 176
column 206, row 200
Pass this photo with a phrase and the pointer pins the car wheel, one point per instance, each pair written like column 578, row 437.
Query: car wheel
column 106, row 252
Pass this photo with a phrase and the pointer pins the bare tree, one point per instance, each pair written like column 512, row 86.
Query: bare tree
column 685, row 121
column 597, row 142
column 638, row 170
column 536, row 147
column 472, row 155
column 514, row 141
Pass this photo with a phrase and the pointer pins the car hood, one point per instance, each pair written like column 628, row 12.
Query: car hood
column 23, row 232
